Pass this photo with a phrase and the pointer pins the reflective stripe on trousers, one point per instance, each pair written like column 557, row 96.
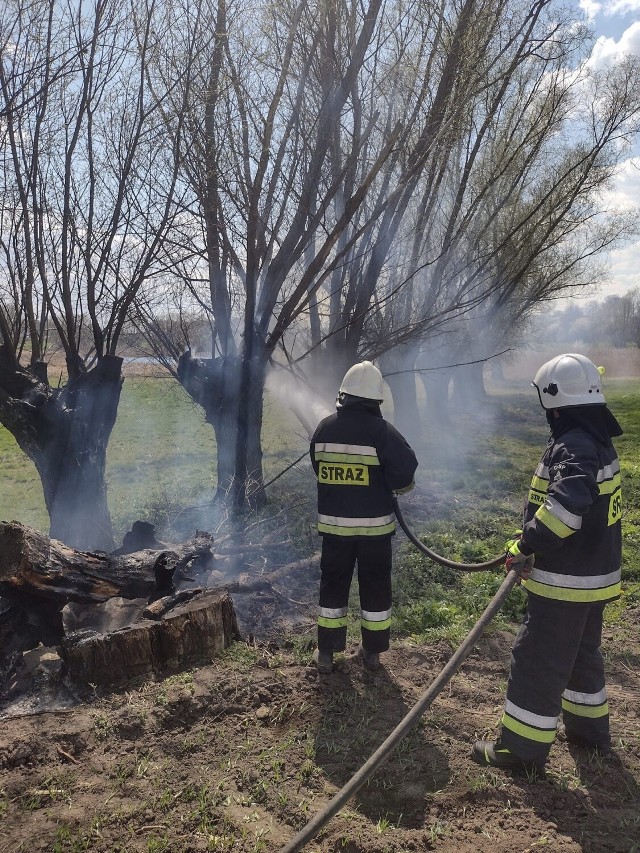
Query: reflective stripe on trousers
column 556, row 667
column 339, row 557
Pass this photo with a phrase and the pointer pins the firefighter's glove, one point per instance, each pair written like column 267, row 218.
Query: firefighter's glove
column 516, row 560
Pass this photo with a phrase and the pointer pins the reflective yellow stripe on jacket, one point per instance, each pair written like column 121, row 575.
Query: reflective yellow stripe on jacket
column 339, row 526
column 539, row 485
column 573, row 588
column 558, row 519
column 351, row 454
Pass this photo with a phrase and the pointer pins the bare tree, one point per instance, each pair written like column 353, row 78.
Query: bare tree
column 85, row 202
column 526, row 224
column 362, row 176
column 311, row 126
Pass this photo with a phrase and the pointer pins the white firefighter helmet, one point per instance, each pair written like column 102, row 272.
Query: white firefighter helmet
column 569, row 380
column 363, row 380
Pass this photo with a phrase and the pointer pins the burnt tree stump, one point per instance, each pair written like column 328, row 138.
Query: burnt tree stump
column 188, row 633
column 106, row 610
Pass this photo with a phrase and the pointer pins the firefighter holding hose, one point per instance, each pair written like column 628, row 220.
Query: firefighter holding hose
column 360, row 460
column 569, row 556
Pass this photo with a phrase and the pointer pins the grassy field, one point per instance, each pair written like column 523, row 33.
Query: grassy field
column 161, row 458
column 238, row 754
column 471, row 482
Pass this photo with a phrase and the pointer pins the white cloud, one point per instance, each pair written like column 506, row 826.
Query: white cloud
column 590, row 7
column 610, row 8
column 622, row 271
column 614, row 7
column 608, row 51
column 624, row 193
column 623, row 263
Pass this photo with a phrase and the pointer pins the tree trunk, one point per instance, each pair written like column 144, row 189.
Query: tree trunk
column 213, row 383
column 248, row 479
column 65, row 432
column 32, row 566
column 468, row 393
column 218, row 384
column 398, row 368
column 191, row 632
column 436, row 387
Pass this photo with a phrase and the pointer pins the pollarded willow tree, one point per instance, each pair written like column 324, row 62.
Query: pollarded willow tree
column 361, row 175
column 85, row 200
column 310, row 126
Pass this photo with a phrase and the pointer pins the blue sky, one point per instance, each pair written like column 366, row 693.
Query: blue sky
column 616, row 25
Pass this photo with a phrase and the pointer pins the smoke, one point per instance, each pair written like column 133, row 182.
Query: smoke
column 294, row 394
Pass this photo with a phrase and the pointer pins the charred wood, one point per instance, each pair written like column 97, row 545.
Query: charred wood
column 34, row 566
column 189, row 632
column 142, row 536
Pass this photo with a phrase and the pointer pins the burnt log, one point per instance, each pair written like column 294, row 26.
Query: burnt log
column 36, row 567
column 141, row 537
column 187, row 633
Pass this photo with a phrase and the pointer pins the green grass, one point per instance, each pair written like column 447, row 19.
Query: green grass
column 161, row 458
column 21, row 496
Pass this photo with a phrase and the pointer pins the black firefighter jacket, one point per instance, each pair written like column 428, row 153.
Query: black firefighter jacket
column 572, row 519
column 359, row 460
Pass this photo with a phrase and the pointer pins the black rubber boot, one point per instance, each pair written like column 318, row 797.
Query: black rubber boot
column 371, row 660
column 491, row 754
column 323, row 661
column 601, row 749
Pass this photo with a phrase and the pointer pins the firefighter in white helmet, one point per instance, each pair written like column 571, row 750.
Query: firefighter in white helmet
column 360, row 460
column 569, row 556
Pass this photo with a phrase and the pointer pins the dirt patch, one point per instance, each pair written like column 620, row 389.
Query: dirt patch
column 239, row 754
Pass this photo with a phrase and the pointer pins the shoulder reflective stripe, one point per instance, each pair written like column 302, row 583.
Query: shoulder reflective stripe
column 609, row 471
column 537, row 720
column 332, row 612
column 591, row 712
column 349, row 458
column 376, row 615
column 586, row 698
column 540, row 485
column 553, row 523
column 574, row 581
column 542, row 471
column 335, row 447
column 528, row 732
column 377, row 625
column 327, row 451
column 563, row 514
column 339, row 521
column 578, row 596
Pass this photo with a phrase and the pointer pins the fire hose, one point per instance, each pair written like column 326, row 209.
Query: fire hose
column 356, row 782
column 463, row 567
